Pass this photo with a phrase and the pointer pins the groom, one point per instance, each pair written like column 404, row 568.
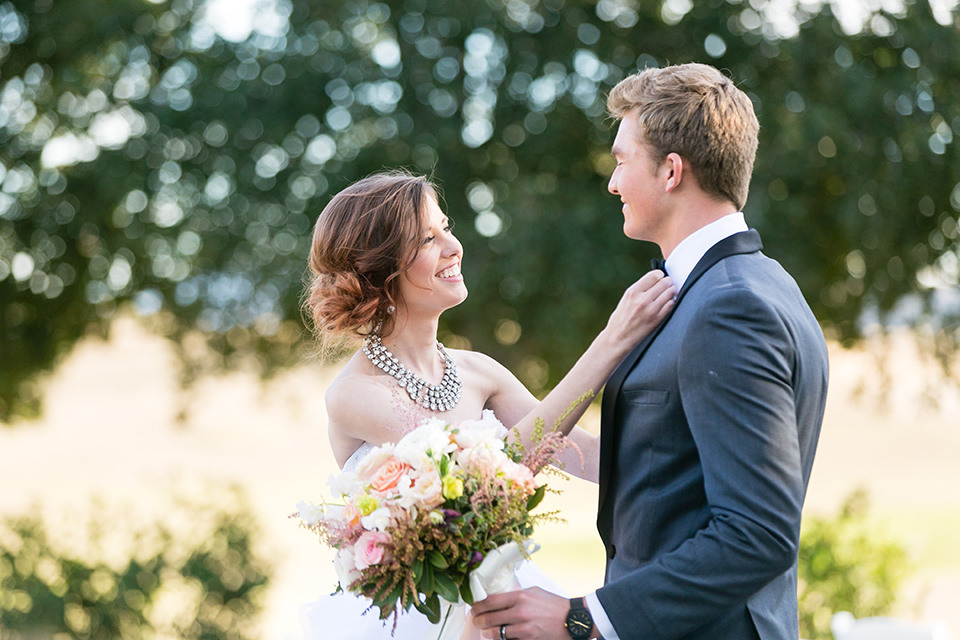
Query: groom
column 709, row 426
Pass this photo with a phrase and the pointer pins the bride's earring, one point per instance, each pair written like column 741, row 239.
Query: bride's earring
column 390, row 310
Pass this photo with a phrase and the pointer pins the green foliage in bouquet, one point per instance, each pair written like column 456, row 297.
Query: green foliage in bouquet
column 431, row 556
column 422, row 515
column 441, row 554
column 201, row 584
column 845, row 566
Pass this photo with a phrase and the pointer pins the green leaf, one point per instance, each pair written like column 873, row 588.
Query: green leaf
column 417, row 568
column 426, row 583
column 536, row 497
column 430, row 607
column 437, row 559
column 394, row 597
column 447, row 588
column 466, row 592
column 385, row 609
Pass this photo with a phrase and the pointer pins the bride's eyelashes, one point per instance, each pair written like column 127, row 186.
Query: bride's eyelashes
column 446, row 229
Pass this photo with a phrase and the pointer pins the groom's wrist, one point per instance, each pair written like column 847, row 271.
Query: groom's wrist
column 579, row 623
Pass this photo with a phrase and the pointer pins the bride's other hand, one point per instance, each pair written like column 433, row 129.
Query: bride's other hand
column 642, row 307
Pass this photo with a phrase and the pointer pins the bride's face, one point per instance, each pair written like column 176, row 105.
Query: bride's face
column 433, row 280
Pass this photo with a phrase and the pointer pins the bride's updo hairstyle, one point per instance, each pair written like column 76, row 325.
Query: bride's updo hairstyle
column 366, row 236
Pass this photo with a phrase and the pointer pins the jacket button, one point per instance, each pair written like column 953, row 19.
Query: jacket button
column 612, row 552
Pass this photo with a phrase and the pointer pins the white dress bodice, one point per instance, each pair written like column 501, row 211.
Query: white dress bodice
column 357, row 456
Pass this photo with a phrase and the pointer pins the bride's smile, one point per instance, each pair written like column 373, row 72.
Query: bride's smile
column 451, row 273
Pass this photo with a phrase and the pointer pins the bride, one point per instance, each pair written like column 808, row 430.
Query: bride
column 385, row 265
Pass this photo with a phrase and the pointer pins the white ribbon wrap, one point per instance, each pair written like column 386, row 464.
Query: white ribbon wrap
column 496, row 574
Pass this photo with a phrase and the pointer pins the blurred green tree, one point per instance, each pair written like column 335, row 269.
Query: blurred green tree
column 195, row 575
column 151, row 157
column 845, row 565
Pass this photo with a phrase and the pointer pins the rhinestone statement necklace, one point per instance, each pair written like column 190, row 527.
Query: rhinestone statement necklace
column 440, row 397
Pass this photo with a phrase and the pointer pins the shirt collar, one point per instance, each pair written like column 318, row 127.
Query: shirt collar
column 687, row 254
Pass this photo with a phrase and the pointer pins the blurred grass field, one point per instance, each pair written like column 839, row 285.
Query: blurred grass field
column 111, row 429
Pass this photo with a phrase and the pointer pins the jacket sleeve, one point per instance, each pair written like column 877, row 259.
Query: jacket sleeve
column 735, row 371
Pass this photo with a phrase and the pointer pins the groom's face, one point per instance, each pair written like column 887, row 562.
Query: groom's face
column 635, row 180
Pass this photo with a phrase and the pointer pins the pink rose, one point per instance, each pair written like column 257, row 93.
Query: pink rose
column 369, row 549
column 351, row 515
column 520, row 475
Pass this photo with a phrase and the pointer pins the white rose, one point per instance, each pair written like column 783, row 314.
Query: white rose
column 345, row 483
column 378, row 520
column 426, row 490
column 345, row 566
column 487, row 421
column 310, row 513
column 472, row 434
column 482, row 459
column 428, row 441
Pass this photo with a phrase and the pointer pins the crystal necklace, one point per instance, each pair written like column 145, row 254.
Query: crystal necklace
column 440, row 397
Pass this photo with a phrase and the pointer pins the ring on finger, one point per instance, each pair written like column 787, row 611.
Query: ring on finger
column 503, row 632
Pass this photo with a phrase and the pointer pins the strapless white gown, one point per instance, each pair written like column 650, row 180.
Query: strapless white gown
column 346, row 616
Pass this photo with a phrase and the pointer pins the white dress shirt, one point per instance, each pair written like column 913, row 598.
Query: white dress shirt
column 679, row 266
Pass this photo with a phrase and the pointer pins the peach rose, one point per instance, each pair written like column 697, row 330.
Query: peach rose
column 389, row 475
column 369, row 550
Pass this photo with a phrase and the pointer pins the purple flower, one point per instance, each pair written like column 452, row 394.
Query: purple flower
column 475, row 559
column 449, row 515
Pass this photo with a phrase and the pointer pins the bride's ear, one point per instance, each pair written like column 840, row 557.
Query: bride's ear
column 673, row 166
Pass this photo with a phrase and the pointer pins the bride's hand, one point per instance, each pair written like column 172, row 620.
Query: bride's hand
column 643, row 306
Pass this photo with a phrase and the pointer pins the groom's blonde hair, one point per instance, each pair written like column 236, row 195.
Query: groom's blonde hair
column 697, row 112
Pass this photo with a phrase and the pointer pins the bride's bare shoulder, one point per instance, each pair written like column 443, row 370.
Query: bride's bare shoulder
column 356, row 394
column 480, row 367
column 474, row 359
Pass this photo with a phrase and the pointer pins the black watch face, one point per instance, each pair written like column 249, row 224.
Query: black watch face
column 579, row 624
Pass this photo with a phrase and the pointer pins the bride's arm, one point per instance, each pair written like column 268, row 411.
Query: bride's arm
column 642, row 307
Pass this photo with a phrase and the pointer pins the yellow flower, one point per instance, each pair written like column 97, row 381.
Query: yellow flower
column 452, row 487
column 367, row 504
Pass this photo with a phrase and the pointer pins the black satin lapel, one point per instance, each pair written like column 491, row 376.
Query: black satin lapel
column 738, row 243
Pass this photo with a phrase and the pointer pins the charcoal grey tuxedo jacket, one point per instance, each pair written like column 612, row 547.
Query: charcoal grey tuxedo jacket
column 708, row 434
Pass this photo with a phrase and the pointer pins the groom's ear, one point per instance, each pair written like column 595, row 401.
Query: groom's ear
column 673, row 168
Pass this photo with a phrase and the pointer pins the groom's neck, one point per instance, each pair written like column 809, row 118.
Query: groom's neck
column 690, row 214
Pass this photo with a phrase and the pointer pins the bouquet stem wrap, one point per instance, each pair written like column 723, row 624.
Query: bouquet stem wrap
column 496, row 574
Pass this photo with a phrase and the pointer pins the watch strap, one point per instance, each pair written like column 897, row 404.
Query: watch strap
column 579, row 623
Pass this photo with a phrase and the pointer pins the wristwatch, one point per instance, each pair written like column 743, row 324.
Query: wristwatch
column 579, row 624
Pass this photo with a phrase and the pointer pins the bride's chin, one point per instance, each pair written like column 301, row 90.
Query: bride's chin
column 460, row 301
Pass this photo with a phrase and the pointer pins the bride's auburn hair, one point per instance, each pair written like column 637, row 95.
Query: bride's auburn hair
column 365, row 238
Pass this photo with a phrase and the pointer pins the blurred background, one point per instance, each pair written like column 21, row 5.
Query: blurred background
column 162, row 163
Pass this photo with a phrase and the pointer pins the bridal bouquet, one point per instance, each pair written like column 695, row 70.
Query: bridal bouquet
column 422, row 515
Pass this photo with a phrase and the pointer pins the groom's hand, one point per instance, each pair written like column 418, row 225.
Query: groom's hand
column 530, row 614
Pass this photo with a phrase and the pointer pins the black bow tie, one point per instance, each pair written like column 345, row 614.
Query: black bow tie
column 657, row 263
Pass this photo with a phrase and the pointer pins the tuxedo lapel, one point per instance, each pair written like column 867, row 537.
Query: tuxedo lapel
column 738, row 243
